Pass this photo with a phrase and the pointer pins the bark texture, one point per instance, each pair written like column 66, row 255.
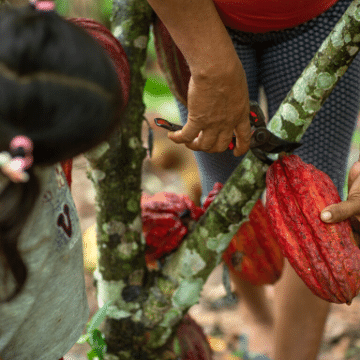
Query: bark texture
column 116, row 174
column 148, row 306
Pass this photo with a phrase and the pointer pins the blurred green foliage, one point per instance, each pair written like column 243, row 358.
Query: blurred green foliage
column 157, row 95
column 62, row 7
column 106, row 8
column 156, row 84
column 356, row 137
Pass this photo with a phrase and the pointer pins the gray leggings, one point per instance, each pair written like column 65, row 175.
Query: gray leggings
column 275, row 60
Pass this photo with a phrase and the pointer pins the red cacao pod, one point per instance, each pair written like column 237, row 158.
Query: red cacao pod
column 325, row 256
column 191, row 341
column 114, row 50
column 212, row 195
column 253, row 253
column 164, row 225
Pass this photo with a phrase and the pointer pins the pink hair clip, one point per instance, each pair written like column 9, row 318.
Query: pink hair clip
column 14, row 168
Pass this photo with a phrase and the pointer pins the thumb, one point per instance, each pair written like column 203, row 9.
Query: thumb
column 188, row 133
column 338, row 212
column 350, row 207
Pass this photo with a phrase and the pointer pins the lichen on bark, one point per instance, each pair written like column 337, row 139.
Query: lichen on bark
column 116, row 173
column 319, row 78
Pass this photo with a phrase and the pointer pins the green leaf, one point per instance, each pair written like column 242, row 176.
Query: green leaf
column 94, row 355
column 97, row 341
column 98, row 318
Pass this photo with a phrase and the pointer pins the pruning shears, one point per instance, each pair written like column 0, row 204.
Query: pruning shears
column 262, row 140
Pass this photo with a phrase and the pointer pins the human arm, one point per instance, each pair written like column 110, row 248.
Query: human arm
column 218, row 101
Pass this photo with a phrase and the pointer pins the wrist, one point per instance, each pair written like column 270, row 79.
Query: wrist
column 216, row 68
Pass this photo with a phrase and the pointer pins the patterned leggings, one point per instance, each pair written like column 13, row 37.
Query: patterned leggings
column 275, row 60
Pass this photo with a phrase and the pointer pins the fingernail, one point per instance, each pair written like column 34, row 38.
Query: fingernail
column 326, row 215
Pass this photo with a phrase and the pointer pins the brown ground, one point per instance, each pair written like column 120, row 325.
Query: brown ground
column 177, row 172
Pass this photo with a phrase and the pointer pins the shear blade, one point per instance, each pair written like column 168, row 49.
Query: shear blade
column 276, row 145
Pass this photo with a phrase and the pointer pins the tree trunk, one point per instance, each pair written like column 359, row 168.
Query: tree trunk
column 146, row 306
column 117, row 166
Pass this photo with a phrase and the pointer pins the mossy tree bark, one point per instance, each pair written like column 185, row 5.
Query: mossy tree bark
column 147, row 306
column 116, row 174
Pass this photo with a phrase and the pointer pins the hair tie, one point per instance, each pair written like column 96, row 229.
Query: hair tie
column 14, row 167
column 44, row 5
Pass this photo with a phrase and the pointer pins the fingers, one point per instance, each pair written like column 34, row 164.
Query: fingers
column 341, row 211
column 210, row 140
column 350, row 207
column 243, row 136
column 188, row 133
column 213, row 140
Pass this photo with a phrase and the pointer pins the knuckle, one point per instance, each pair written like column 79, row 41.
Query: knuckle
column 207, row 148
column 187, row 138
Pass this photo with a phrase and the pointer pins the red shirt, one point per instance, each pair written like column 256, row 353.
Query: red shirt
column 258, row 16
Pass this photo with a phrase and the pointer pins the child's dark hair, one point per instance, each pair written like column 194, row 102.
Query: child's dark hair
column 59, row 89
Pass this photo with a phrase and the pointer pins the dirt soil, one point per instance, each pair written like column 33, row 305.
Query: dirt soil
column 174, row 170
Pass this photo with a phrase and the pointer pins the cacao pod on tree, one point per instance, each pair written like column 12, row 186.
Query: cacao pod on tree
column 164, row 218
column 212, row 195
column 253, row 253
column 325, row 256
column 190, row 342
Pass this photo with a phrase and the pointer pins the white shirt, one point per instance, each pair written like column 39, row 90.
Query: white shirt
column 49, row 315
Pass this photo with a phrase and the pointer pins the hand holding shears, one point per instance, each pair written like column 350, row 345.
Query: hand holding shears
column 262, row 140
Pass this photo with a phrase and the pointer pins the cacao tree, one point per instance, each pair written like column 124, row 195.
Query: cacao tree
column 147, row 306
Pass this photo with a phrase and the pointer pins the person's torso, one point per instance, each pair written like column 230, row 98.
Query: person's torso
column 259, row 16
